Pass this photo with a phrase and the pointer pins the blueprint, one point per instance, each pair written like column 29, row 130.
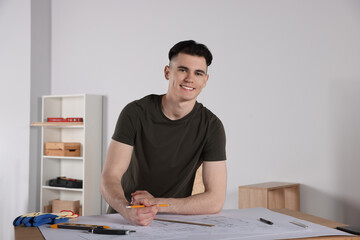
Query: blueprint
column 229, row 224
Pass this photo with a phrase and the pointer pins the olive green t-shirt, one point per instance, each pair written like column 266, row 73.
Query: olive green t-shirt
column 167, row 152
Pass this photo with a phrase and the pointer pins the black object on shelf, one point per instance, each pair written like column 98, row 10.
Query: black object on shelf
column 66, row 182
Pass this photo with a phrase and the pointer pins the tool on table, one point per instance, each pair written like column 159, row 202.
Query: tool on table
column 266, row 221
column 96, row 229
column 298, row 224
column 176, row 221
column 77, row 226
column 110, row 231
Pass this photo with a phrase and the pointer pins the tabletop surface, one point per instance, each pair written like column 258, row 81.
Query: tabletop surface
column 33, row 233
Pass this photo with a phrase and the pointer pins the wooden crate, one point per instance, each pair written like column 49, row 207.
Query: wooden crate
column 270, row 195
column 60, row 205
column 48, row 209
column 62, row 149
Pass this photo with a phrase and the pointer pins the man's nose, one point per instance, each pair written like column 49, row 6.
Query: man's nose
column 190, row 77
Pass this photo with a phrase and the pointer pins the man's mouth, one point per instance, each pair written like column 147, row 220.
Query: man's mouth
column 186, row 87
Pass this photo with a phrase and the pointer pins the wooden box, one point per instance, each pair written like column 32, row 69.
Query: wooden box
column 59, row 205
column 62, row 149
column 270, row 195
column 48, row 209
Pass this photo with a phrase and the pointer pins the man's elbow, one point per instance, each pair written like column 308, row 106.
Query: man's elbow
column 102, row 190
column 218, row 207
column 103, row 186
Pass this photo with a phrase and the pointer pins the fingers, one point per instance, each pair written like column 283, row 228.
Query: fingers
column 145, row 202
column 144, row 216
column 137, row 196
column 142, row 201
column 139, row 192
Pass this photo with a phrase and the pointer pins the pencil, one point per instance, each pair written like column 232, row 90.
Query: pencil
column 140, row 206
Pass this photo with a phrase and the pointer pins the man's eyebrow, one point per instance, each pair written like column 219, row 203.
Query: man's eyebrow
column 200, row 71
column 186, row 68
column 183, row 67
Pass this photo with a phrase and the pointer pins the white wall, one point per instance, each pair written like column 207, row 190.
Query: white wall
column 24, row 77
column 285, row 81
column 15, row 112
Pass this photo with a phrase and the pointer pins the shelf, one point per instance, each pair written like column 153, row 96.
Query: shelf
column 63, row 189
column 87, row 166
column 63, row 157
column 57, row 124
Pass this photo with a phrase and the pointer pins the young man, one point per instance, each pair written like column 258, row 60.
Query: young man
column 161, row 140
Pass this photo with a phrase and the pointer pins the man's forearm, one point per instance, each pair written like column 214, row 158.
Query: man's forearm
column 209, row 202
column 116, row 164
column 202, row 203
column 113, row 194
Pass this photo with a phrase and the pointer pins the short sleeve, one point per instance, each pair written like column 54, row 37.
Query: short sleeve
column 125, row 130
column 215, row 147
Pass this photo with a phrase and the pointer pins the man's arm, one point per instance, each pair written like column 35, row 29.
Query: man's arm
column 117, row 162
column 209, row 202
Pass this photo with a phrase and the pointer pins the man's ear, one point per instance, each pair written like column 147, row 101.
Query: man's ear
column 206, row 79
column 166, row 72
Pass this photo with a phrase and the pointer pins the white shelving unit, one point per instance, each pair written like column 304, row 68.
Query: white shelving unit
column 87, row 167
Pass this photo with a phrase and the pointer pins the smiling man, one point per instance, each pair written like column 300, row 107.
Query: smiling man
column 160, row 141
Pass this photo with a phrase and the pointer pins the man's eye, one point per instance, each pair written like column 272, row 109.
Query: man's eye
column 199, row 74
column 182, row 70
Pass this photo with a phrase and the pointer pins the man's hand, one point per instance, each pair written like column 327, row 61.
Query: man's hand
column 142, row 216
column 139, row 195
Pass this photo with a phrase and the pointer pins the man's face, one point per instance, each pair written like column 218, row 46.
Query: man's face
column 187, row 77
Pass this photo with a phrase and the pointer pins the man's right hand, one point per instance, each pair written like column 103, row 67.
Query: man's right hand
column 141, row 216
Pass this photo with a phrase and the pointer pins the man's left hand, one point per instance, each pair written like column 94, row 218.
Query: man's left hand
column 140, row 195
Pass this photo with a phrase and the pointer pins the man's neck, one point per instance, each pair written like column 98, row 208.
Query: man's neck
column 175, row 110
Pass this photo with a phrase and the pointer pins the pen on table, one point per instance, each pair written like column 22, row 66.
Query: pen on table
column 140, row 206
column 298, row 224
column 110, row 231
column 266, row 221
